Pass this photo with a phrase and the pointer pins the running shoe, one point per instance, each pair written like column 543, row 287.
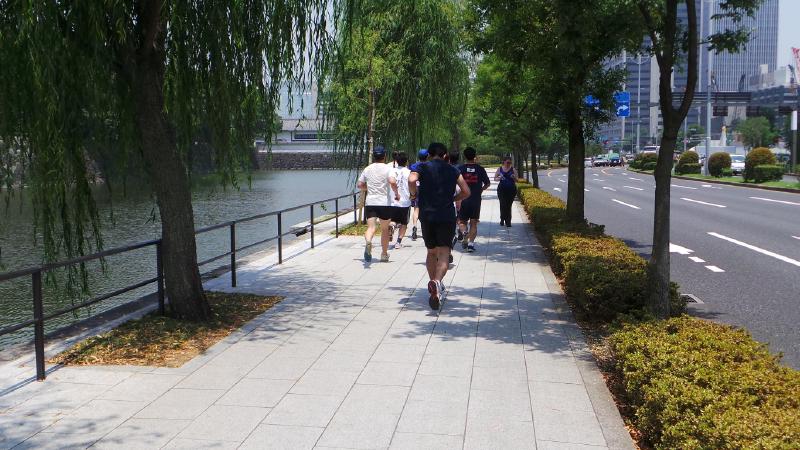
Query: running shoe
column 398, row 245
column 433, row 290
column 413, row 233
column 508, row 224
column 460, row 235
column 471, row 247
column 464, row 244
column 368, row 252
column 384, row 257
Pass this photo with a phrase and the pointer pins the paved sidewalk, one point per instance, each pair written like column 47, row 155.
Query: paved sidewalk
column 354, row 358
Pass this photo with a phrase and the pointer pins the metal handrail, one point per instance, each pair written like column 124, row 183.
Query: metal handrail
column 39, row 317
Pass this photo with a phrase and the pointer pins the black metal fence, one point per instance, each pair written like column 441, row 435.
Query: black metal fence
column 39, row 316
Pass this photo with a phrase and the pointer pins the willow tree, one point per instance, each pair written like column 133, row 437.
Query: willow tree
column 399, row 77
column 147, row 72
column 674, row 43
column 569, row 44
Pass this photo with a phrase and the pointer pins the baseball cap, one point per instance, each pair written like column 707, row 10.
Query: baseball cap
column 378, row 151
column 423, row 152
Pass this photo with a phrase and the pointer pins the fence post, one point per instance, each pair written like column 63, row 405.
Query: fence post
column 312, row 225
column 280, row 240
column 160, row 276
column 38, row 326
column 337, row 217
column 355, row 209
column 233, row 254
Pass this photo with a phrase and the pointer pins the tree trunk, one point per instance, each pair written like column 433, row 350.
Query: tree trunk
column 534, row 166
column 171, row 184
column 577, row 150
column 659, row 267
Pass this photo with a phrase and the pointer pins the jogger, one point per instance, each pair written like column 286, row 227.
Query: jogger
column 437, row 186
column 375, row 181
column 506, row 190
column 470, row 212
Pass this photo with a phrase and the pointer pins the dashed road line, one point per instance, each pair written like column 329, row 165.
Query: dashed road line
column 697, row 260
column 609, row 188
column 776, row 201
column 631, row 187
column 586, row 190
column 563, row 181
column 597, row 175
column 777, row 256
column 796, row 237
column 557, row 189
column 684, row 187
column 625, row 204
column 703, row 203
column 714, row 269
column 675, row 248
column 635, row 179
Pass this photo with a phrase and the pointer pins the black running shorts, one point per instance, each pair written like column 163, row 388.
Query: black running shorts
column 438, row 234
column 400, row 215
column 469, row 210
column 381, row 212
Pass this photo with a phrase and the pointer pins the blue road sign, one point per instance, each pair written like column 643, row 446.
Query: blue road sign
column 591, row 101
column 622, row 104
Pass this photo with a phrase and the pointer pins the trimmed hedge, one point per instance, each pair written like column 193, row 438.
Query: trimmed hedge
column 489, row 160
column 601, row 274
column 717, row 162
column 685, row 160
column 767, row 172
column 757, row 157
column 695, row 384
column 688, row 168
column 649, row 166
column 727, row 172
column 643, row 158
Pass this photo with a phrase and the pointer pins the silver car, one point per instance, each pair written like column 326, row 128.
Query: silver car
column 737, row 164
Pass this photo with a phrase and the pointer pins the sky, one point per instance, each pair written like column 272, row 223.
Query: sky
column 788, row 30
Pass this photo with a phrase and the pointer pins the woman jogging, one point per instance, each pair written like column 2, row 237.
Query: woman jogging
column 506, row 189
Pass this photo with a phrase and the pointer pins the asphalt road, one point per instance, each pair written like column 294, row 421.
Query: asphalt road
column 736, row 249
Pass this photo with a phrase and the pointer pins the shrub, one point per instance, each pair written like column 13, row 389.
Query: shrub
column 489, row 160
column 757, row 157
column 642, row 158
column 767, row 172
column 696, row 384
column 717, row 162
column 727, row 172
column 688, row 168
column 649, row 166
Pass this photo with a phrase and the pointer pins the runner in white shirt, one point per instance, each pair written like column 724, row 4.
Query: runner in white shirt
column 375, row 181
column 401, row 200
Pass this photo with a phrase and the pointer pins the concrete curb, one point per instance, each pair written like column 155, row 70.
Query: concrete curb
column 727, row 183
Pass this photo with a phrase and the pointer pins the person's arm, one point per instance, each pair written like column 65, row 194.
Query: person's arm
column 486, row 181
column 497, row 175
column 464, row 189
column 362, row 182
column 412, row 184
column 395, row 188
column 514, row 174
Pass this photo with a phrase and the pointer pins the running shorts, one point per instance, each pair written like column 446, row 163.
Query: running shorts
column 381, row 212
column 438, row 234
column 470, row 210
column 400, row 214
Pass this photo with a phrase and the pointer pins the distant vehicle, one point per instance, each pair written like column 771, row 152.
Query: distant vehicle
column 587, row 162
column 600, row 161
column 737, row 164
column 614, row 159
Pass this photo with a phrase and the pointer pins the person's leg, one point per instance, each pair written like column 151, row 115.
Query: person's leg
column 473, row 230
column 401, row 234
column 501, row 196
column 414, row 218
column 510, row 195
column 430, row 263
column 368, row 235
column 385, row 236
column 442, row 257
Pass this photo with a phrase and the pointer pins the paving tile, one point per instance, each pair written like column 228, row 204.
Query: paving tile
column 282, row 437
column 15, row 429
column 195, row 444
column 499, row 405
column 500, row 379
column 213, row 377
column 494, row 434
column 551, row 445
column 388, row 373
column 433, row 417
column 578, row 427
column 358, row 429
column 225, row 423
column 423, row 441
column 180, row 404
column 87, row 375
column 437, row 388
column 281, row 368
column 256, row 392
column 304, row 410
column 48, row 441
column 325, row 382
column 144, row 387
column 375, row 399
column 142, row 433
column 334, row 360
column 96, row 417
column 243, row 354
column 446, row 365
column 399, row 353
column 560, row 396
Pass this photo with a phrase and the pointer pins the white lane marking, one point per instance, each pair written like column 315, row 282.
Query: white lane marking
column 557, row 189
column 705, row 185
column 714, row 269
column 703, row 203
column 697, row 260
column 609, row 188
column 585, row 189
column 563, row 181
column 675, row 248
column 776, row 201
column 756, row 249
column 599, row 179
column 635, row 179
column 631, row 187
column 684, row 187
column 624, row 173
column 796, row 237
column 626, row 204
column 597, row 175
column 549, row 173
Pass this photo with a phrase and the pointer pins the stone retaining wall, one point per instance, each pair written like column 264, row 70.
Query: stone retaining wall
column 301, row 160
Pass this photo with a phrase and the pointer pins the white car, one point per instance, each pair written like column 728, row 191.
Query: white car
column 587, row 162
column 737, row 164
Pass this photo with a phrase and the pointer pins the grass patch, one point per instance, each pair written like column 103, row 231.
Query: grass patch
column 155, row 340
column 355, row 229
column 739, row 180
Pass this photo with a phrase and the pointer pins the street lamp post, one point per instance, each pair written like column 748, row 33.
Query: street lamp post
column 639, row 103
column 708, row 97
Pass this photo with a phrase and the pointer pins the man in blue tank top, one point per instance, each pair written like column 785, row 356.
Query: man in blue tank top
column 436, row 194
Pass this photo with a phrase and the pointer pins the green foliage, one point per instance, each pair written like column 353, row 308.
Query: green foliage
column 756, row 131
column 757, row 157
column 768, row 172
column 643, row 158
column 717, row 162
column 650, row 165
column 601, row 274
column 727, row 172
column 689, row 162
column 489, row 160
column 397, row 52
column 695, row 384
column 688, row 168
